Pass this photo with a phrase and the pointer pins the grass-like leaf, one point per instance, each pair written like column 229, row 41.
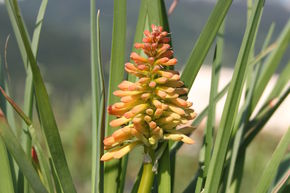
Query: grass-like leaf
column 57, row 184
column 20, row 157
column 28, row 96
column 137, row 181
column 282, row 175
column 271, row 64
column 31, row 134
column 281, row 83
column 259, row 121
column 204, row 42
column 45, row 111
column 273, row 164
column 12, row 16
column 164, row 172
column 98, row 97
column 6, row 182
column 139, row 30
column 153, row 12
column 236, row 168
column 206, row 150
column 216, row 68
column 112, row 172
column 232, row 103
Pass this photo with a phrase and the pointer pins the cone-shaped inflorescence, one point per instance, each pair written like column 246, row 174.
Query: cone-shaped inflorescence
column 150, row 108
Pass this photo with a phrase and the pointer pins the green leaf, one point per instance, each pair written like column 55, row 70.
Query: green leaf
column 44, row 166
column 204, row 42
column 259, row 121
column 12, row 16
column 6, row 182
column 272, row 166
column 163, row 17
column 2, row 84
column 271, row 64
column 235, row 169
column 31, row 134
column 282, row 175
column 19, row 156
column 262, row 117
column 28, row 96
column 206, row 149
column 164, row 173
column 216, row 67
column 137, row 181
column 153, row 12
column 57, row 184
column 139, row 31
column 282, row 81
column 112, row 172
column 232, row 103
column 6, row 179
column 98, row 103
column 45, row 112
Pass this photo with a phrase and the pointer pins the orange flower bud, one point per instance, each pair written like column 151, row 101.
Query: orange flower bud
column 161, row 80
column 158, row 113
column 166, row 74
column 162, row 61
column 119, row 122
column 122, row 93
column 170, row 62
column 137, row 58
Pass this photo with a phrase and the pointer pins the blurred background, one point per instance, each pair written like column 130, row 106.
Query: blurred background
column 64, row 58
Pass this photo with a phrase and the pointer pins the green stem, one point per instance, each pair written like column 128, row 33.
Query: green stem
column 147, row 179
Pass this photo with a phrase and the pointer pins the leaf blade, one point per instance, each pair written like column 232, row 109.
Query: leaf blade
column 98, row 97
column 19, row 155
column 204, row 42
column 112, row 172
column 273, row 164
column 45, row 112
column 231, row 105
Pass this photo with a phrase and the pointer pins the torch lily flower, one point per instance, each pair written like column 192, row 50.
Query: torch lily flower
column 151, row 108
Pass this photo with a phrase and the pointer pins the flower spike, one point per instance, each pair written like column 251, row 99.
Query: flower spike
column 151, row 108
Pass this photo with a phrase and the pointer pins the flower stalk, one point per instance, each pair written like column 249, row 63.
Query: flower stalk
column 147, row 178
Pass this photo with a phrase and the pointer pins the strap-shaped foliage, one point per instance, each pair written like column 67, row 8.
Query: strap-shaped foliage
column 232, row 103
column 112, row 169
column 204, row 42
column 20, row 157
column 45, row 111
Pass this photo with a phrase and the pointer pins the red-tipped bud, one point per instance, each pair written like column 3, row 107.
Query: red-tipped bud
column 34, row 156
